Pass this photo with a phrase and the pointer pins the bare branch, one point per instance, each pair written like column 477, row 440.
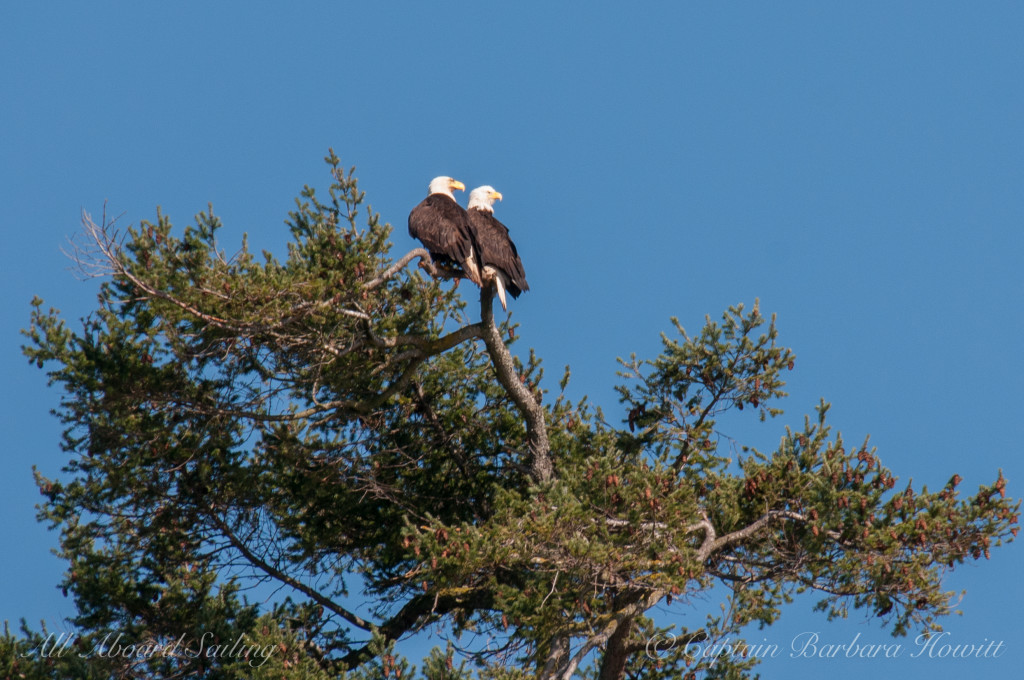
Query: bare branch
column 426, row 345
column 708, row 528
column 281, row 576
column 106, row 260
column 713, row 543
column 622, row 618
column 615, row 523
column 536, row 429
column 414, row 611
column 93, row 258
column 398, row 266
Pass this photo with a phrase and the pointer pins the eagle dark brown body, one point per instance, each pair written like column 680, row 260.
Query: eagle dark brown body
column 441, row 225
column 496, row 250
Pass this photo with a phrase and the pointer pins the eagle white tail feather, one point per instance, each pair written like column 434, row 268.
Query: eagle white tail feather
column 500, row 285
column 473, row 269
column 500, row 282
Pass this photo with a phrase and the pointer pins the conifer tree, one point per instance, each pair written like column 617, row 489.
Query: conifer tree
column 278, row 468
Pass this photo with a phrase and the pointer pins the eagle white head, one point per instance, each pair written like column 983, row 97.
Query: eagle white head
column 483, row 198
column 445, row 185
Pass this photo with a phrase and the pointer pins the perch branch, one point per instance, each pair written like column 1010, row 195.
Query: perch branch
column 541, row 468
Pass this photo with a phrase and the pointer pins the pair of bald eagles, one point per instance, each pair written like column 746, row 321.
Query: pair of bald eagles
column 472, row 240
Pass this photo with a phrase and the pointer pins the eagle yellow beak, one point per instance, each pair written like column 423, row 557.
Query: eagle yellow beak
column 457, row 185
column 496, row 195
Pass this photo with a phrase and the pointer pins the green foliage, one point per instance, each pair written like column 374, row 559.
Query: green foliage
column 328, row 428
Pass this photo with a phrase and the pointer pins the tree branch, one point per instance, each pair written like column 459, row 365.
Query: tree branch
column 713, row 543
column 399, row 265
column 281, row 576
column 418, row 607
column 541, row 468
column 556, row 661
column 615, row 632
column 425, row 345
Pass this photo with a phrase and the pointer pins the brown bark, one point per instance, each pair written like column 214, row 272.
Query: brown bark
column 616, row 653
column 541, row 468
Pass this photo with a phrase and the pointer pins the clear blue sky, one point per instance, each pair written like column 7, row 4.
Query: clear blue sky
column 859, row 168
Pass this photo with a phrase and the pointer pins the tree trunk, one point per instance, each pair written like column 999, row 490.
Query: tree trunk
column 616, row 653
column 557, row 658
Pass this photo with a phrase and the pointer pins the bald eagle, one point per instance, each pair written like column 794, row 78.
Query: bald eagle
column 498, row 257
column 443, row 227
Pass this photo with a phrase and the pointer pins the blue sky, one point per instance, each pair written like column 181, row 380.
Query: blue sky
column 858, row 168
